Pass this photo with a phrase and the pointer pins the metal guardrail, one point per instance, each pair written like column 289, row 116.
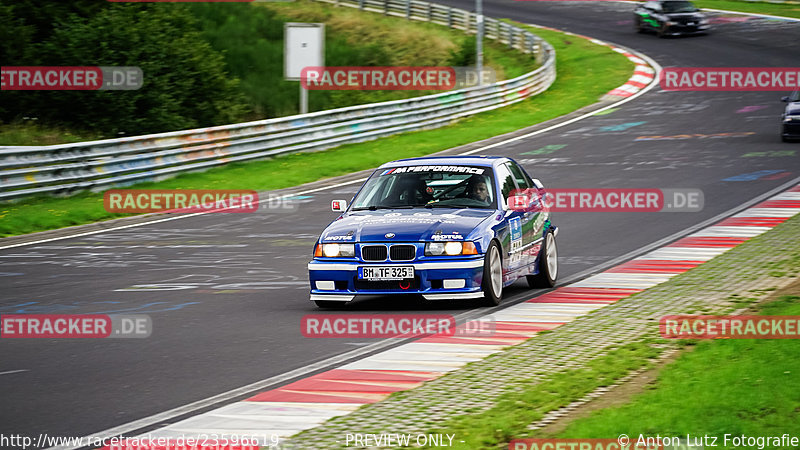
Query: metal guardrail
column 68, row 168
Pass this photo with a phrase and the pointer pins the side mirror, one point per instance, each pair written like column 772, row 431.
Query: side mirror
column 338, row 205
column 785, row 99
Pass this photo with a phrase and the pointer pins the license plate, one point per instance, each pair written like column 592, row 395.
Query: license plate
column 385, row 273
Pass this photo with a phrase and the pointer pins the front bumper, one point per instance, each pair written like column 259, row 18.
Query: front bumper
column 791, row 130
column 437, row 279
column 682, row 29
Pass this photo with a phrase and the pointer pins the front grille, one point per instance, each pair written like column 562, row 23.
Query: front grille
column 373, row 252
column 402, row 252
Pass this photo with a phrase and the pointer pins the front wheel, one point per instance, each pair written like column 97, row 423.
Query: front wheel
column 548, row 265
column 492, row 283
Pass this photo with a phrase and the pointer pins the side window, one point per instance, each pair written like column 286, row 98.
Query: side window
column 522, row 178
column 506, row 181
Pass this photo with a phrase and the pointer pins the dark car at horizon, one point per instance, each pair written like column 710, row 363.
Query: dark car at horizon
column 791, row 117
column 670, row 18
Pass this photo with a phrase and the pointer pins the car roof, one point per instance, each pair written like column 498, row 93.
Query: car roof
column 486, row 161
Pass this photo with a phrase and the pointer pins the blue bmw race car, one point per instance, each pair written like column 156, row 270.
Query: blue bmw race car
column 443, row 227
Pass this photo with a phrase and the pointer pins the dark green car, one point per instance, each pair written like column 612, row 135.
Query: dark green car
column 670, row 18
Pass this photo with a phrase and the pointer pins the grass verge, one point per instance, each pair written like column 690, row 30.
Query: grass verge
column 774, row 9
column 585, row 72
column 514, row 411
column 726, row 386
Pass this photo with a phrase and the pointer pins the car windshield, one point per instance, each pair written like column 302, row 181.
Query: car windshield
column 428, row 187
column 679, row 7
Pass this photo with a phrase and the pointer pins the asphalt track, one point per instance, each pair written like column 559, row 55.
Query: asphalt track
column 226, row 292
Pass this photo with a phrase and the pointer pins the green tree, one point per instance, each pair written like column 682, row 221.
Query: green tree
column 185, row 80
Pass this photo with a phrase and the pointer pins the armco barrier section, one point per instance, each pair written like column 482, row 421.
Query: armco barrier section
column 68, row 168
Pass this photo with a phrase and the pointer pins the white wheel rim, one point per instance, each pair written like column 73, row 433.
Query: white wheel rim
column 496, row 272
column 552, row 256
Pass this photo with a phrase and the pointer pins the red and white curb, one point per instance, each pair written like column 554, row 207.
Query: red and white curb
column 643, row 74
column 309, row 402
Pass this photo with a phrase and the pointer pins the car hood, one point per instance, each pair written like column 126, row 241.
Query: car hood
column 407, row 225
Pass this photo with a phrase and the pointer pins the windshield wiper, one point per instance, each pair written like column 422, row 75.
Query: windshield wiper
column 439, row 205
column 375, row 207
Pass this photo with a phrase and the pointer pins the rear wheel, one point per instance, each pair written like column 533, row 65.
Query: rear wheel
column 638, row 25
column 548, row 265
column 492, row 284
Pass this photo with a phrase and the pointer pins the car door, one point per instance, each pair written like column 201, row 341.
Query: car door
column 512, row 241
column 647, row 14
column 533, row 220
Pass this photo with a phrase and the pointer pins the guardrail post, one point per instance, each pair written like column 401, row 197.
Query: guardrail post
column 539, row 50
column 450, row 17
column 385, row 7
column 510, row 37
column 408, row 9
column 361, row 4
column 430, row 12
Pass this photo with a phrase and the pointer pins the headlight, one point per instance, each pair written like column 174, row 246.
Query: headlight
column 434, row 248
column 334, row 250
column 451, row 248
column 791, row 118
column 671, row 23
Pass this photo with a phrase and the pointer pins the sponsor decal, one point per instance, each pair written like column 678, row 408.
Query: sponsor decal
column 515, row 230
column 72, row 78
column 454, row 169
column 347, row 237
column 447, row 237
column 730, row 78
column 729, row 327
